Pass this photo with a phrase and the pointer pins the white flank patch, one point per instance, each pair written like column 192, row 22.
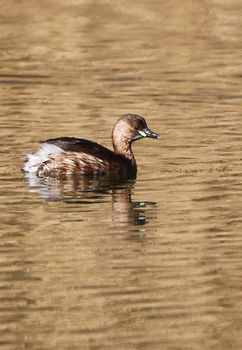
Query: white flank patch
column 35, row 160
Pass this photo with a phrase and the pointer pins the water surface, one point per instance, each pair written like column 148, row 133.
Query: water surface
column 153, row 263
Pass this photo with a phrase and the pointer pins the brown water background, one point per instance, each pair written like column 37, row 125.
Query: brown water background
column 151, row 264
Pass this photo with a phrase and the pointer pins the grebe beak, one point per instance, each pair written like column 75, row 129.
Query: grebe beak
column 148, row 133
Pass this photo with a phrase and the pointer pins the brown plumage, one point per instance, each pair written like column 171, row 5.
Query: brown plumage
column 69, row 155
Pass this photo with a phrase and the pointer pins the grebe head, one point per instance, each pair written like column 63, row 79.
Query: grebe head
column 130, row 128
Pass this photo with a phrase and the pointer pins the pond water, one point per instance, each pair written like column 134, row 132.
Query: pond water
column 153, row 263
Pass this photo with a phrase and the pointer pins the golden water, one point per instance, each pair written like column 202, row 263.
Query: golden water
column 151, row 264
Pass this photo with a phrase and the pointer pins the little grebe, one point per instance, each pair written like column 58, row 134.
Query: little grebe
column 70, row 155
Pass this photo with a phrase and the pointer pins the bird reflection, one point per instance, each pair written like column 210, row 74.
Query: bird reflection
column 125, row 210
column 85, row 190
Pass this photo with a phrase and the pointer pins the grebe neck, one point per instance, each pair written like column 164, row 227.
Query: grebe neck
column 123, row 147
